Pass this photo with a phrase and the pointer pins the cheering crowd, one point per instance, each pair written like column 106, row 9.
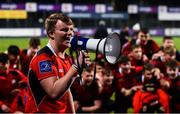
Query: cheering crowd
column 145, row 78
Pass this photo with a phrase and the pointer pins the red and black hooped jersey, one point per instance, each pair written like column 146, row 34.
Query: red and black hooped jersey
column 45, row 64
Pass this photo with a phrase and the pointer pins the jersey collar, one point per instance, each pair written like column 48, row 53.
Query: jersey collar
column 50, row 47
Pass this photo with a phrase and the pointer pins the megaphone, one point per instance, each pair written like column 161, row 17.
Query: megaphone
column 110, row 46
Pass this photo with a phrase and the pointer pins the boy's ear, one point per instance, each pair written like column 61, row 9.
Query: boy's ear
column 51, row 35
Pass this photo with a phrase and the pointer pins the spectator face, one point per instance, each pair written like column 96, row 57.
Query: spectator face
column 126, row 29
column 87, row 78
column 168, row 57
column 108, row 78
column 99, row 79
column 143, row 37
column 126, row 67
column 33, row 51
column 168, row 43
column 148, row 75
column 99, row 68
column 62, row 34
column 172, row 72
column 12, row 57
column 137, row 53
column 169, row 54
column 3, row 68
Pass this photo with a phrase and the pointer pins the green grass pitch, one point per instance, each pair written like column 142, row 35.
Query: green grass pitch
column 23, row 43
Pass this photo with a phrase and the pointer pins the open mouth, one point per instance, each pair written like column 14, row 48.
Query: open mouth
column 67, row 39
column 68, row 42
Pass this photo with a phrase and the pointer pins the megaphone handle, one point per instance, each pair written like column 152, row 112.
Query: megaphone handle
column 94, row 77
column 83, row 62
column 80, row 68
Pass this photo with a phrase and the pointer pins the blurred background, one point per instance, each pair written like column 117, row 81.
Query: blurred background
column 160, row 16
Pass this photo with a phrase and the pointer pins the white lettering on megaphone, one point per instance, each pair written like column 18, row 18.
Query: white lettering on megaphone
column 80, row 42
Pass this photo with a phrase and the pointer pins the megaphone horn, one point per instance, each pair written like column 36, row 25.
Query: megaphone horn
column 109, row 46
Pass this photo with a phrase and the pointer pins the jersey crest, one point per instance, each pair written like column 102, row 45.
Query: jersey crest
column 45, row 66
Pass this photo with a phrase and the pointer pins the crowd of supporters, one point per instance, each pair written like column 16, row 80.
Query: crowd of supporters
column 146, row 78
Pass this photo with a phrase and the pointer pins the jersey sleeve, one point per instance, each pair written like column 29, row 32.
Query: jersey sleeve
column 44, row 67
